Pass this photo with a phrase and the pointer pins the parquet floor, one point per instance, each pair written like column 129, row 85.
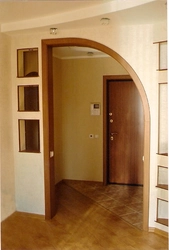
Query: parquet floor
column 123, row 200
column 80, row 223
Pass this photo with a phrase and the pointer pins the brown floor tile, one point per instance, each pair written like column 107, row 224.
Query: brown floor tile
column 133, row 218
column 111, row 203
column 137, row 206
column 119, row 199
column 122, row 210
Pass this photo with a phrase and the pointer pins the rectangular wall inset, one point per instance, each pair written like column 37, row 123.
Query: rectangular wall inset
column 29, row 140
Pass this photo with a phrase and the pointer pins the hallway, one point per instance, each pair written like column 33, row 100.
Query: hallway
column 80, row 223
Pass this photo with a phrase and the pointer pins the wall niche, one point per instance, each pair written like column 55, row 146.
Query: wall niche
column 29, row 136
column 163, row 119
column 28, row 98
column 27, row 62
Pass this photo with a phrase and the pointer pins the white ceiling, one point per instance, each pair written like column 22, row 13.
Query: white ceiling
column 42, row 14
column 30, row 16
column 73, row 52
column 12, row 11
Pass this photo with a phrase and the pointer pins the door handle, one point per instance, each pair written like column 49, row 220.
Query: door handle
column 113, row 133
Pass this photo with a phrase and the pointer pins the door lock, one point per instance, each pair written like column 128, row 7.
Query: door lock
column 113, row 133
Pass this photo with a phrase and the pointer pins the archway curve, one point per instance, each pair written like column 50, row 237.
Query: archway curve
column 47, row 45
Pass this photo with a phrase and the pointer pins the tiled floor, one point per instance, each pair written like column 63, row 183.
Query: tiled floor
column 123, row 200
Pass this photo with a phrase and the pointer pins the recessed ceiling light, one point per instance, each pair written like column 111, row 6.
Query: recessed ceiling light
column 90, row 53
column 105, row 21
column 53, row 31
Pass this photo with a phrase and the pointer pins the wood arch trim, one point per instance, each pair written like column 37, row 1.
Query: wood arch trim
column 47, row 44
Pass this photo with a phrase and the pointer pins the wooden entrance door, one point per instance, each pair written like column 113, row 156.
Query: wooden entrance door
column 125, row 132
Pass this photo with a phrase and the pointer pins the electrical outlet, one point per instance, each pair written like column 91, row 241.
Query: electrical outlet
column 91, row 136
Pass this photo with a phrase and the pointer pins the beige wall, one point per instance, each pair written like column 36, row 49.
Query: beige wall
column 80, row 83
column 6, row 142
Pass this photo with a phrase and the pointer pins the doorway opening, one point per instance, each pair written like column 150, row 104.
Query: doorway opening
column 47, row 45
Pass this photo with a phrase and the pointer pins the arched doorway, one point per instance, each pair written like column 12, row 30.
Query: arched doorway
column 47, row 46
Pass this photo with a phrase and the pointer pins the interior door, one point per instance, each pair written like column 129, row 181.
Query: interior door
column 125, row 132
column 53, row 203
column 47, row 71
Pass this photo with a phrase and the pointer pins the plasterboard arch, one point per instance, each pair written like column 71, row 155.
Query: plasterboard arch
column 47, row 46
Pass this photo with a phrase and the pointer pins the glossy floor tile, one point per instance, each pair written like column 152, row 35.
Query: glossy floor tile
column 126, row 201
column 80, row 223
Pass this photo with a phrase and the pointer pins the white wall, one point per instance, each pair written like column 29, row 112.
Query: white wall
column 29, row 171
column 6, row 138
column 135, row 44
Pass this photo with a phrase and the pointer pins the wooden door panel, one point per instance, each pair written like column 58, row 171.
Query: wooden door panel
column 48, row 130
column 126, row 149
column 51, row 135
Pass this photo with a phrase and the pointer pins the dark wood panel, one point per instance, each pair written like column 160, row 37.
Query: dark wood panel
column 126, row 148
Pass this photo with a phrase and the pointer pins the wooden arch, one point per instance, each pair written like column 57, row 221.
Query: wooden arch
column 47, row 46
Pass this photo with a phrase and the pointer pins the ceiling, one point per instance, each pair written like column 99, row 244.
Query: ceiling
column 24, row 16
column 12, row 11
column 72, row 52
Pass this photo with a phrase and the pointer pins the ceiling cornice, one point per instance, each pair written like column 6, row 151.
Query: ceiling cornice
column 71, row 16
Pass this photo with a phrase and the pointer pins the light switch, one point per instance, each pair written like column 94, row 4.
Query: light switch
column 51, row 154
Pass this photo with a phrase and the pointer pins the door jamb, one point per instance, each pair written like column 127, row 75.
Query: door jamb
column 47, row 44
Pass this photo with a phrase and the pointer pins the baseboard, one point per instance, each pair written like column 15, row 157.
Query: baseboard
column 65, row 180
column 151, row 229
column 158, row 231
column 25, row 214
column 161, row 232
column 58, row 183
column 31, row 215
